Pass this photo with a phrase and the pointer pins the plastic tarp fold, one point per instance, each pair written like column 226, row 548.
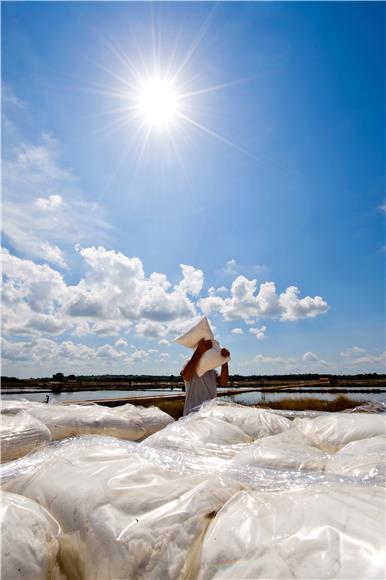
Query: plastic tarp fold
column 20, row 434
column 311, row 534
column 254, row 422
column 29, row 540
column 287, row 450
column 121, row 516
column 200, row 436
column 334, row 430
column 152, row 418
column 364, row 459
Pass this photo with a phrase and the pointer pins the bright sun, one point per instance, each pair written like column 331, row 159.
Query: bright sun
column 157, row 103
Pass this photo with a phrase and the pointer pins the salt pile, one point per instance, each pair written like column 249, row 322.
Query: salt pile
column 363, row 459
column 334, row 430
column 121, row 516
column 200, row 436
column 254, row 422
column 20, row 434
column 126, row 422
column 228, row 492
column 313, row 533
column 152, row 418
column 218, row 429
column 287, row 450
column 29, row 540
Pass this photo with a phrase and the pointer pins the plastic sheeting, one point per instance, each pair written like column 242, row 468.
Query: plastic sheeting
column 171, row 507
column 126, row 422
column 29, row 540
column 20, row 434
column 254, row 422
column 287, row 450
column 152, row 418
column 200, row 436
column 314, row 533
column 122, row 516
column 364, row 459
column 334, row 430
column 13, row 407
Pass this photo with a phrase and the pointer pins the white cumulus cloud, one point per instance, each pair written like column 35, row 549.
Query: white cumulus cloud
column 237, row 331
column 113, row 295
column 121, row 343
column 248, row 304
column 258, row 332
column 192, row 280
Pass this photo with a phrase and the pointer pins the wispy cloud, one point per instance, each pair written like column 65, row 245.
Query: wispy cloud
column 358, row 360
column 9, row 97
column 232, row 268
column 44, row 210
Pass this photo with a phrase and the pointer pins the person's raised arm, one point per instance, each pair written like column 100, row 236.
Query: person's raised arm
column 190, row 367
column 224, row 376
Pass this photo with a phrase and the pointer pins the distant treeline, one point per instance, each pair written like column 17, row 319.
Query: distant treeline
column 60, row 377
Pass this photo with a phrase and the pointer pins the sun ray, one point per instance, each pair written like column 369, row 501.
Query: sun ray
column 118, row 53
column 124, row 157
column 217, row 136
column 214, row 88
column 113, row 127
column 178, row 157
column 123, row 58
column 163, row 98
column 196, row 42
column 119, row 78
column 142, row 151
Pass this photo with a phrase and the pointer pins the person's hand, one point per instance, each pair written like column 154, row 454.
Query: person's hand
column 225, row 353
column 204, row 345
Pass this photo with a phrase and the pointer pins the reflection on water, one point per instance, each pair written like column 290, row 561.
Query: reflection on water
column 257, row 397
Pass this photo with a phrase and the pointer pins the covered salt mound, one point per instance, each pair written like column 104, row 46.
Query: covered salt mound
column 313, row 533
column 20, row 434
column 363, row 459
column 126, row 422
column 287, row 451
column 254, row 422
column 152, row 418
column 200, row 436
column 13, row 407
column 121, row 516
column 29, row 540
column 334, row 430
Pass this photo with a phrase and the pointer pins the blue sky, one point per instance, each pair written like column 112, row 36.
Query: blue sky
column 268, row 176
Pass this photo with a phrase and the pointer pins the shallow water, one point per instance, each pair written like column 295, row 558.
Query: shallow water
column 242, row 398
column 258, row 396
column 88, row 395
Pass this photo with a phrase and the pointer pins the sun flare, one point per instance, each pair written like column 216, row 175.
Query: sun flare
column 157, row 103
